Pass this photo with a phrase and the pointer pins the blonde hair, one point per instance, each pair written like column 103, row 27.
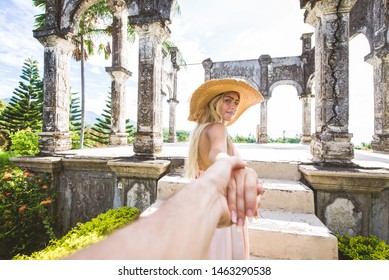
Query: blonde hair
column 210, row 114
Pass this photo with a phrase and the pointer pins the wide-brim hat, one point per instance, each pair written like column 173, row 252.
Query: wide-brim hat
column 200, row 98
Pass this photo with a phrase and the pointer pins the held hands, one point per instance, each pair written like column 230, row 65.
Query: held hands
column 239, row 188
column 243, row 193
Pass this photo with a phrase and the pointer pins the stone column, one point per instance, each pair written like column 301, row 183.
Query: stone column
column 55, row 135
column 331, row 140
column 148, row 138
column 264, row 61
column 173, row 100
column 207, row 64
column 119, row 73
column 172, row 120
column 380, row 64
column 306, row 104
column 262, row 136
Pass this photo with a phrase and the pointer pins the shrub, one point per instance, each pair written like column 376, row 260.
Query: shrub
column 84, row 234
column 25, row 142
column 362, row 248
column 25, row 219
column 5, row 158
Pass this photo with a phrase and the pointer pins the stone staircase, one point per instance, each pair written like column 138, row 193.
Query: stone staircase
column 287, row 227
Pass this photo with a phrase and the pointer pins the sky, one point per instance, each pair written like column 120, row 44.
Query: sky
column 216, row 29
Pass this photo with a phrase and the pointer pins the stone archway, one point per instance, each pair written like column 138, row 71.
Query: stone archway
column 150, row 20
column 265, row 73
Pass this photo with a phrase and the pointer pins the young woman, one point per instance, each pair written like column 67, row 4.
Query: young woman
column 215, row 105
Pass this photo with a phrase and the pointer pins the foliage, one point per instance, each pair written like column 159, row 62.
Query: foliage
column 363, row 146
column 26, row 223
column 25, row 107
column 242, row 139
column 4, row 141
column 362, row 248
column 295, row 140
column 95, row 26
column 75, row 120
column 25, row 142
column 84, row 234
column 3, row 104
column 102, row 129
column 40, row 19
column 182, row 135
column 5, row 158
column 171, row 49
column 75, row 112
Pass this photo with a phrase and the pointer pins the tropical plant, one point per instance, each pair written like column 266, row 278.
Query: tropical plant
column 3, row 104
column 26, row 223
column 75, row 120
column 182, row 135
column 25, row 107
column 102, row 129
column 24, row 142
column 362, row 248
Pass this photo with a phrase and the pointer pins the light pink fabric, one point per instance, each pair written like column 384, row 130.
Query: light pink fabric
column 229, row 243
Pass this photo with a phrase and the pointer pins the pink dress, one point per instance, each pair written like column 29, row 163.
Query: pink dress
column 229, row 243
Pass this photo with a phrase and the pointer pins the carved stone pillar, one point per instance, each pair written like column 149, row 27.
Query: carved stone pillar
column 331, row 140
column 306, row 104
column 172, row 120
column 207, row 64
column 119, row 73
column 55, row 135
column 264, row 61
column 380, row 64
column 148, row 138
column 173, row 100
column 262, row 136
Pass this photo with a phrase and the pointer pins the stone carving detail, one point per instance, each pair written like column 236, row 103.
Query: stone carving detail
column 145, row 116
column 148, row 6
column 91, row 198
column 139, row 197
column 342, row 217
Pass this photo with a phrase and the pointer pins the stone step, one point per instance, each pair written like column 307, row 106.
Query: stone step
column 276, row 170
column 279, row 194
column 291, row 236
column 287, row 227
column 282, row 235
column 287, row 195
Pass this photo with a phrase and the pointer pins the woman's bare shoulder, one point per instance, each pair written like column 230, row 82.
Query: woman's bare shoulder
column 216, row 127
column 216, row 131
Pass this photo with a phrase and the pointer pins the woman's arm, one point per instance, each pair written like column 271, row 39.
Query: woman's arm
column 238, row 196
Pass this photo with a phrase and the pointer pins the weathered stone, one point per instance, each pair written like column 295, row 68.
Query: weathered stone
column 148, row 138
column 342, row 218
column 351, row 201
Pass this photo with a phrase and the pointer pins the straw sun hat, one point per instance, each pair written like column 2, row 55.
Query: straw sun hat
column 200, row 98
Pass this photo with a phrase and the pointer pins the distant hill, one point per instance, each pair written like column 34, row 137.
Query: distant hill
column 90, row 117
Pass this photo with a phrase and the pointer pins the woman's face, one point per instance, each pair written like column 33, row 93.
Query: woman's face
column 229, row 105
